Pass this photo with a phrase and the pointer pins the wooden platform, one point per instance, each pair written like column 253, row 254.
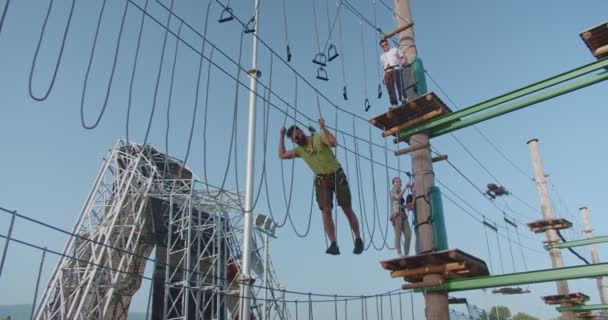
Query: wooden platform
column 596, row 40
column 587, row 316
column 452, row 264
column 452, row 300
column 539, row 226
column 421, row 109
column 576, row 298
column 510, row 290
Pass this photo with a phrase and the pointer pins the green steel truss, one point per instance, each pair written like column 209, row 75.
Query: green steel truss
column 469, row 116
column 522, row 278
column 576, row 243
column 584, row 308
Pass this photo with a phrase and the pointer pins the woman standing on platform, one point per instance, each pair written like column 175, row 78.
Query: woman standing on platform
column 399, row 218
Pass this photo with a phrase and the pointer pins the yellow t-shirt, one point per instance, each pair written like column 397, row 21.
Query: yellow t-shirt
column 318, row 155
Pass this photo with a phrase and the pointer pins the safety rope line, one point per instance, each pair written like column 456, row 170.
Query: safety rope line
column 112, row 72
column 47, row 91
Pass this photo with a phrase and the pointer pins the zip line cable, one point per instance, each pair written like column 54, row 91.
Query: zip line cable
column 4, row 12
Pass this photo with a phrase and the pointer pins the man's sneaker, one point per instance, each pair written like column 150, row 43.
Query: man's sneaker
column 358, row 246
column 333, row 249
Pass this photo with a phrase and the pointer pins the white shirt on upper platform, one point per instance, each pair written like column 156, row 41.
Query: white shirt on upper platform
column 391, row 58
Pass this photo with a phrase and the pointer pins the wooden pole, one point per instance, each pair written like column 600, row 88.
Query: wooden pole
column 436, row 303
column 547, row 211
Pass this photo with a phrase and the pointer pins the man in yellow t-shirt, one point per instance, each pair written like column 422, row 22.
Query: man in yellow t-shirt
column 329, row 178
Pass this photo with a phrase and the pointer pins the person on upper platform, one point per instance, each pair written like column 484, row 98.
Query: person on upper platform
column 392, row 61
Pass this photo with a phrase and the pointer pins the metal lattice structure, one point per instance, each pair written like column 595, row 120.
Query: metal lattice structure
column 144, row 201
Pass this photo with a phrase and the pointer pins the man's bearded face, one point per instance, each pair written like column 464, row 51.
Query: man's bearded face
column 299, row 137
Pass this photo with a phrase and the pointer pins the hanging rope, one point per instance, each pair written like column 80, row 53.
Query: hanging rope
column 4, row 12
column 377, row 55
column 366, row 103
column 286, row 33
column 47, row 91
column 91, row 57
column 502, row 270
column 316, row 25
column 168, row 114
column 488, row 244
column 344, row 91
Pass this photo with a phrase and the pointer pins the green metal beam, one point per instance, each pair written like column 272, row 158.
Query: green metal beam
column 526, row 102
column 521, row 278
column 532, row 88
column 584, row 308
column 576, row 243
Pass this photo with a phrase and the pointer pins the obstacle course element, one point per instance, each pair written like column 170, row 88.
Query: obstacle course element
column 416, row 111
column 452, row 264
column 596, row 40
column 540, row 226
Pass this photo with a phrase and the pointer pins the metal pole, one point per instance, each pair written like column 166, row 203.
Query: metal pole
column 8, row 240
column 265, row 312
column 595, row 258
column 38, row 282
column 254, row 73
column 547, row 210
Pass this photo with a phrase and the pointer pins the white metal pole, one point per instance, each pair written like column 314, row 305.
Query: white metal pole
column 246, row 267
column 265, row 312
column 595, row 258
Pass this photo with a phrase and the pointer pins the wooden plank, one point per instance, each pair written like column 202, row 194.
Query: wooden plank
column 425, row 117
column 539, row 226
column 596, row 39
column 398, row 30
column 571, row 298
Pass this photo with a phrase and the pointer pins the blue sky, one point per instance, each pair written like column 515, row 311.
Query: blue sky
column 473, row 52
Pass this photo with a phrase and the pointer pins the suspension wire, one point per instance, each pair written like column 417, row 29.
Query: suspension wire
column 345, row 309
column 485, row 230
column 133, row 71
column 388, row 196
column 377, row 55
column 362, row 17
column 502, row 269
column 4, row 14
column 364, row 66
column 286, row 32
column 310, row 314
column 510, row 245
column 393, row 11
column 384, row 234
column 523, row 258
column 331, row 26
column 48, row 90
column 260, row 83
column 113, row 69
column 572, row 250
column 339, row 18
column 316, row 25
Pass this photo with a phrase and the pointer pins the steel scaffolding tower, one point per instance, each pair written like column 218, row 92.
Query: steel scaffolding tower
column 144, row 201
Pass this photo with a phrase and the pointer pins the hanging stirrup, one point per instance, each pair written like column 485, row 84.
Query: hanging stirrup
column 332, row 52
column 367, row 105
column 226, row 15
column 320, row 59
column 322, row 74
column 288, row 54
column 250, row 27
column 379, row 91
column 344, row 93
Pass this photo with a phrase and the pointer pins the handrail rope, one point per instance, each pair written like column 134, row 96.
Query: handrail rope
column 113, row 69
column 51, row 227
column 59, row 56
